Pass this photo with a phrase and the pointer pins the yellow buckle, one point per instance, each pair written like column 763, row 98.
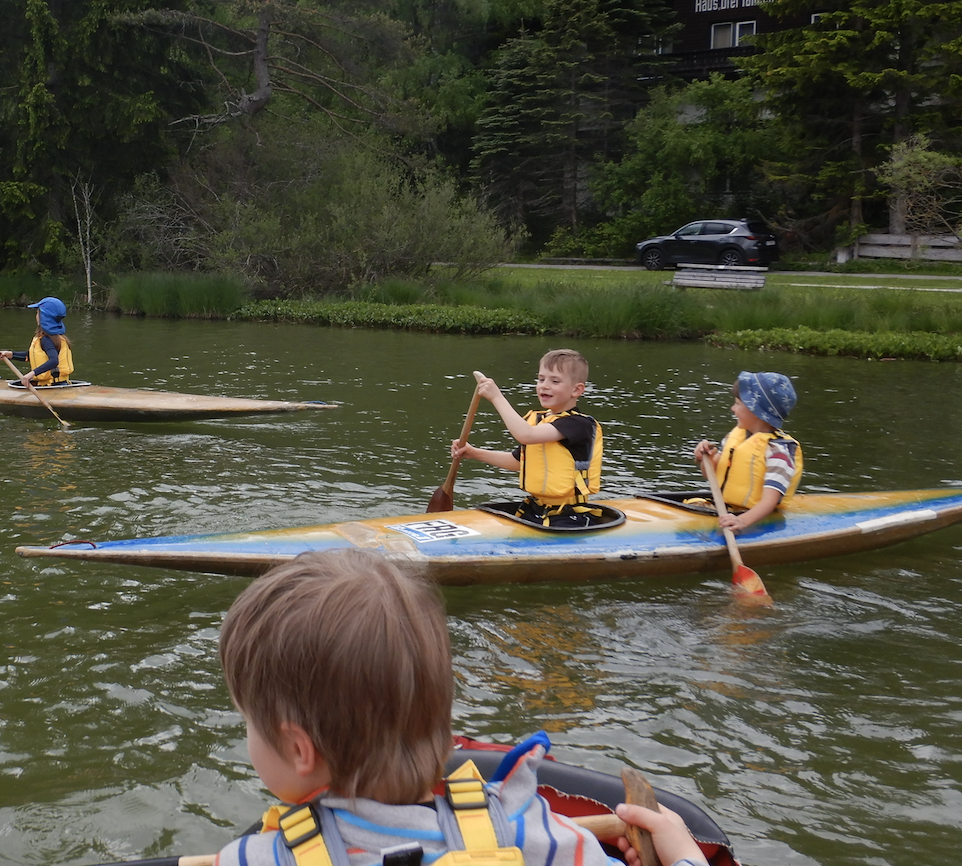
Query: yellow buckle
column 466, row 794
column 298, row 825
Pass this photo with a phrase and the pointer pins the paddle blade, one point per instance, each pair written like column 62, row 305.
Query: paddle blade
column 746, row 582
column 440, row 501
column 638, row 791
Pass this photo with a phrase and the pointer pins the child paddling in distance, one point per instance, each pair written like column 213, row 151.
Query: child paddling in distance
column 758, row 464
column 341, row 667
column 49, row 355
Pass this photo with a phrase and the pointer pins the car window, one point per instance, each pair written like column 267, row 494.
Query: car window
column 758, row 228
column 718, row 228
column 690, row 229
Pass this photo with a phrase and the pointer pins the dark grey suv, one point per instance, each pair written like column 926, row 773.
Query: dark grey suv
column 713, row 242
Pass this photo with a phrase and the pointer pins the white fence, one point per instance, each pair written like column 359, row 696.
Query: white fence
column 941, row 248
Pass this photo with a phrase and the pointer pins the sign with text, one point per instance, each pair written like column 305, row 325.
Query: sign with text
column 723, row 5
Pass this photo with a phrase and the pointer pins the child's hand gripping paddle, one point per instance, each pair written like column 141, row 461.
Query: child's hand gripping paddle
column 443, row 497
column 745, row 580
column 639, row 792
column 36, row 393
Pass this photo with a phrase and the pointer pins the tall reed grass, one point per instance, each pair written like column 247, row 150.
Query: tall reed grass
column 173, row 295
column 20, row 289
column 877, row 310
column 642, row 306
column 614, row 309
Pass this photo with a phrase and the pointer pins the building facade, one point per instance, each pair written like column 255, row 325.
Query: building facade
column 714, row 33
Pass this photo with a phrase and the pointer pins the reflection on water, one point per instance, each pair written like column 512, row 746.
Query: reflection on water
column 825, row 730
column 542, row 667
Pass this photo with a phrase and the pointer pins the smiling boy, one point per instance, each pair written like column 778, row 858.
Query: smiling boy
column 558, row 457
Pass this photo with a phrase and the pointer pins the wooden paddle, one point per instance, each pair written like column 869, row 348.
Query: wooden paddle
column 639, row 792
column 600, row 826
column 745, row 580
column 35, row 392
column 443, row 498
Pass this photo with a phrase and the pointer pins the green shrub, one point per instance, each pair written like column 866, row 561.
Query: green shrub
column 859, row 344
column 414, row 317
column 300, row 210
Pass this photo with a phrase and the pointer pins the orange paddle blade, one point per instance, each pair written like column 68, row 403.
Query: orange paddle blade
column 747, row 582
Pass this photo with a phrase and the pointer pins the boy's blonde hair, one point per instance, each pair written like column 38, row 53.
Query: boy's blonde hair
column 568, row 361
column 357, row 653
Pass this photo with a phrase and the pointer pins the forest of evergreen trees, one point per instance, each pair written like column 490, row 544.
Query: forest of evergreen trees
column 311, row 146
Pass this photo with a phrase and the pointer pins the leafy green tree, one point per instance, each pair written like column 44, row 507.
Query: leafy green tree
column 863, row 75
column 338, row 59
column 85, row 96
column 695, row 151
column 929, row 184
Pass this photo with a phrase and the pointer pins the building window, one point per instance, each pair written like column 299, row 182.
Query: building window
column 731, row 34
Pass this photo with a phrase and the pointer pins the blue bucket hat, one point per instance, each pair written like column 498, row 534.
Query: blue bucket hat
column 769, row 396
column 52, row 311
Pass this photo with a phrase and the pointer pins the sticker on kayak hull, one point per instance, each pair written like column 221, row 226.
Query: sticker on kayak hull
column 424, row 531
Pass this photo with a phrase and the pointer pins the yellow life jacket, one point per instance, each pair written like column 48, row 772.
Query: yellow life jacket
column 37, row 357
column 300, row 827
column 741, row 467
column 550, row 473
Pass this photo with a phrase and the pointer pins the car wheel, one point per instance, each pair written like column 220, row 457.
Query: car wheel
column 731, row 258
column 653, row 259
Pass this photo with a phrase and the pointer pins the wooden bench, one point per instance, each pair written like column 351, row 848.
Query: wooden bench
column 719, row 277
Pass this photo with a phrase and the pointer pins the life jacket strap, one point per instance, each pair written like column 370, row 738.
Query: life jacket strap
column 464, row 791
column 300, row 829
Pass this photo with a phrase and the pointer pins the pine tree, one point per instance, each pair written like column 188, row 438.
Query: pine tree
column 863, row 76
column 558, row 100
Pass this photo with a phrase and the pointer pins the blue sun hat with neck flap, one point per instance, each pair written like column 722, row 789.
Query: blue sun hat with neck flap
column 769, row 396
column 52, row 312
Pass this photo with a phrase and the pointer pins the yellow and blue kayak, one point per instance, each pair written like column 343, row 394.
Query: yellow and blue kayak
column 659, row 537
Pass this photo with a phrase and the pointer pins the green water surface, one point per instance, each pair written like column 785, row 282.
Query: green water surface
column 826, row 730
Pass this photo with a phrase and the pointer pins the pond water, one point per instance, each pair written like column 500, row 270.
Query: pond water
column 825, row 730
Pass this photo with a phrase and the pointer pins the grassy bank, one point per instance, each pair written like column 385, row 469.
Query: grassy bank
column 826, row 315
column 862, row 315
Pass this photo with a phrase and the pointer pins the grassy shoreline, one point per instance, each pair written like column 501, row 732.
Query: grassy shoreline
column 912, row 316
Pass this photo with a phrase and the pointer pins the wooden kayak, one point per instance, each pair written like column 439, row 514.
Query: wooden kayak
column 659, row 537
column 82, row 401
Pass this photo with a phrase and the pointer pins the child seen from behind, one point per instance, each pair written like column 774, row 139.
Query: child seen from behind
column 341, row 667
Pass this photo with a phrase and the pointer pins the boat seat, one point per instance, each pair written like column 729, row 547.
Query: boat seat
column 610, row 517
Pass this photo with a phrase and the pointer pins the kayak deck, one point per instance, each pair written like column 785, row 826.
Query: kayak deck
column 103, row 403
column 657, row 539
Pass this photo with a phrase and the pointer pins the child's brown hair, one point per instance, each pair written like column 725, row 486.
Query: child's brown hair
column 356, row 652
column 568, row 361
column 58, row 340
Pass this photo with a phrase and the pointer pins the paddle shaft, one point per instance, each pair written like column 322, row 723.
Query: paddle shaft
column 35, row 392
column 746, row 580
column 448, row 486
column 600, row 826
column 443, row 498
column 722, row 509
